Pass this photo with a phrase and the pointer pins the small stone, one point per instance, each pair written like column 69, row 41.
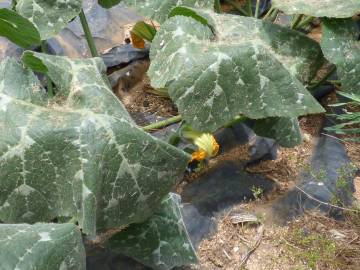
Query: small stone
column 320, row 227
column 337, row 235
column 146, row 103
column 306, row 137
column 243, row 218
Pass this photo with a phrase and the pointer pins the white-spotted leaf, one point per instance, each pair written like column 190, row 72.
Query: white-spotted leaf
column 212, row 78
column 285, row 131
column 319, row 8
column 50, row 17
column 162, row 242
column 341, row 46
column 41, row 246
column 78, row 155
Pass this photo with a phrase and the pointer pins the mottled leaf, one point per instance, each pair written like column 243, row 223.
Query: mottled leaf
column 41, row 246
column 79, row 155
column 212, row 78
column 18, row 29
column 341, row 46
column 319, row 8
column 159, row 9
column 50, row 17
column 285, row 131
column 162, row 242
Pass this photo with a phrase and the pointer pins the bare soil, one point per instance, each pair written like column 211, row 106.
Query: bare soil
column 137, row 95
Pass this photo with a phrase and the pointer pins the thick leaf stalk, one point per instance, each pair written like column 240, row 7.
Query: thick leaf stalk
column 88, row 35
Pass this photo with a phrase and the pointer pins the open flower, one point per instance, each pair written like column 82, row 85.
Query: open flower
column 206, row 143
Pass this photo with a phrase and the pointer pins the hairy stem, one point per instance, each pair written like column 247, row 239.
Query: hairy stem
column 238, row 119
column 237, row 6
column 217, row 6
column 334, row 81
column 249, row 9
column 323, row 80
column 257, row 9
column 296, row 20
column 163, row 123
column 91, row 42
column 72, row 220
column 274, row 15
column 268, row 13
column 13, row 5
column 49, row 84
column 305, row 21
column 89, row 37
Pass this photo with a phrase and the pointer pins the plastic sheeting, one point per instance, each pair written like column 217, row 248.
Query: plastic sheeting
column 328, row 180
column 108, row 27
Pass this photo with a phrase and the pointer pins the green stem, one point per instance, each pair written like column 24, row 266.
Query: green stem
column 89, row 37
column 306, row 21
column 48, row 80
column 162, row 92
column 296, row 21
column 217, row 6
column 73, row 220
column 257, row 9
column 236, row 120
column 163, row 123
column 13, row 5
column 237, row 6
column 334, row 81
column 249, row 9
column 274, row 15
column 324, row 79
column 268, row 13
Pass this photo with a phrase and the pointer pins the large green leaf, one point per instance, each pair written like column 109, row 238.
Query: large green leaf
column 159, row 9
column 341, row 46
column 319, row 8
column 41, row 247
column 285, row 131
column 162, row 242
column 213, row 78
column 50, row 17
column 18, row 29
column 79, row 154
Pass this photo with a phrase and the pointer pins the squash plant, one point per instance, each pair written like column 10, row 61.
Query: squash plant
column 215, row 69
column 79, row 157
column 219, row 66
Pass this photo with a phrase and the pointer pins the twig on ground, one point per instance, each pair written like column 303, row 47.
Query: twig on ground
column 254, row 247
column 289, row 244
column 347, row 244
column 226, row 254
column 334, row 137
column 325, row 203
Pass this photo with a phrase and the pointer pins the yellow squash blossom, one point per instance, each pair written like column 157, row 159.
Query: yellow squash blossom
column 206, row 143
